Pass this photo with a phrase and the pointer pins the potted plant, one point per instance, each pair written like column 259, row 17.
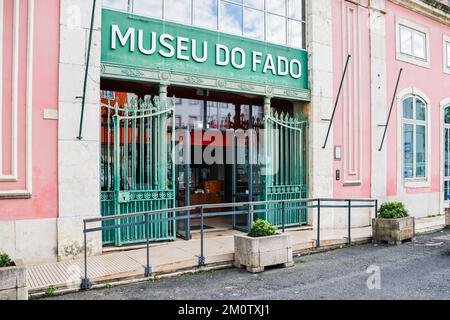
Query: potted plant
column 13, row 279
column 393, row 224
column 262, row 247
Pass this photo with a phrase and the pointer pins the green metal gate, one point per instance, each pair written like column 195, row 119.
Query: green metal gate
column 137, row 169
column 286, row 176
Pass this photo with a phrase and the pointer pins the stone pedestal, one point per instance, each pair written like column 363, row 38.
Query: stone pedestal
column 257, row 253
column 13, row 282
column 393, row 231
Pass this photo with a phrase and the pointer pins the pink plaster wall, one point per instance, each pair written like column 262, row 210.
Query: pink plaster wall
column 431, row 81
column 44, row 201
column 350, row 22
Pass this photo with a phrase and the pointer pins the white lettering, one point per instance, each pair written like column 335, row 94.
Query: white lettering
column 168, row 46
column 256, row 60
column 269, row 64
column 226, row 60
column 123, row 39
column 194, row 51
column 141, row 48
column 283, row 66
column 233, row 58
column 293, row 63
column 181, row 47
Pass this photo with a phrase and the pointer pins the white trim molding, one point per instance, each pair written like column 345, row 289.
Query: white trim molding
column 410, row 58
column 446, row 53
column 13, row 177
column 402, row 182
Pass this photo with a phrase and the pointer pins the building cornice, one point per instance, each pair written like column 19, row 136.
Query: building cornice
column 430, row 8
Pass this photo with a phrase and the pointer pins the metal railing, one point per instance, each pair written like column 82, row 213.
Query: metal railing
column 248, row 209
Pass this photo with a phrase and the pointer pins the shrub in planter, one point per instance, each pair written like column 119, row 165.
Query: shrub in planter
column 5, row 260
column 262, row 228
column 392, row 210
column 13, row 279
column 262, row 247
column 393, row 224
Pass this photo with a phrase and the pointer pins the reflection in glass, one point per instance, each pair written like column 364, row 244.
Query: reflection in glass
column 276, row 29
column 276, row 6
column 419, row 45
column 408, row 108
column 116, row 4
column 189, row 113
column 406, row 40
column 447, row 115
column 231, row 18
column 179, row 11
column 295, row 9
column 254, row 24
column 420, row 152
column 295, row 34
column 150, row 8
column 205, row 14
column 257, row 4
column 420, row 110
column 408, row 150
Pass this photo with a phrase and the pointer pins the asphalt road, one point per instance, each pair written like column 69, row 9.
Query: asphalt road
column 419, row 270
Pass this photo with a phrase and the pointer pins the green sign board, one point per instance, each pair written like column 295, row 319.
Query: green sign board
column 140, row 43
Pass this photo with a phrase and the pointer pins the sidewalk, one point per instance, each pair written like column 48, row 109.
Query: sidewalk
column 180, row 255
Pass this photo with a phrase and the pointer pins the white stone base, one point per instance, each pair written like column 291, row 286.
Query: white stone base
column 71, row 239
column 33, row 241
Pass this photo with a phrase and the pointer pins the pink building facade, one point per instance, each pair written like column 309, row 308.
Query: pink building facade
column 50, row 180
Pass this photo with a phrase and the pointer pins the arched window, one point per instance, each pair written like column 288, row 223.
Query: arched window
column 414, row 138
column 447, row 152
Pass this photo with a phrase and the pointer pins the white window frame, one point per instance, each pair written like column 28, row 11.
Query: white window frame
column 446, row 53
column 407, row 57
column 413, row 183
column 444, row 104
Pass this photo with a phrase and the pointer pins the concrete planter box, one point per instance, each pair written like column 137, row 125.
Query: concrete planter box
column 13, row 282
column 393, row 231
column 257, row 253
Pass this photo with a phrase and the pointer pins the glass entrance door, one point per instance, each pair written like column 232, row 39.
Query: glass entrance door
column 183, row 153
column 447, row 154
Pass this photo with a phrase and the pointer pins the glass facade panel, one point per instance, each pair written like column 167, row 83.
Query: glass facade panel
column 295, row 9
column 116, row 4
column 180, row 11
column 281, row 22
column 295, row 34
column 276, row 29
column 408, row 150
column 205, row 14
column 257, row 4
column 231, row 18
column 276, row 6
column 151, row 8
column 254, row 24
